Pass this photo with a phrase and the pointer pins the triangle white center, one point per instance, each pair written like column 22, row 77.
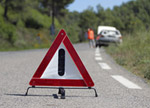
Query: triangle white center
column 71, row 71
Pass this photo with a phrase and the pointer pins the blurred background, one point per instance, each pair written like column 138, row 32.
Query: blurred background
column 33, row 24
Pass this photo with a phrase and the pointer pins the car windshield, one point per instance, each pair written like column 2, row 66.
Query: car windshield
column 108, row 32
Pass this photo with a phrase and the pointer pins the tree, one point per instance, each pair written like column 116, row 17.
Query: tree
column 15, row 5
column 6, row 9
column 55, row 5
column 88, row 19
column 70, row 23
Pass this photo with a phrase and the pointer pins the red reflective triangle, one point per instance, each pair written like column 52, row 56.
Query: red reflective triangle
column 38, row 81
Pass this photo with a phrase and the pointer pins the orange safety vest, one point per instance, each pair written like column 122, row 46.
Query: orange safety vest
column 90, row 34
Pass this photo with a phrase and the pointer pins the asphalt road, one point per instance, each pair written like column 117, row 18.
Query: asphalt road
column 116, row 87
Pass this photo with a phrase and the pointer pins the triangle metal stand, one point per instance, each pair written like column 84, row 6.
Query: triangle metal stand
column 61, row 90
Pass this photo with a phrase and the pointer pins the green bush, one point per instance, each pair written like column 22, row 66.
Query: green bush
column 134, row 53
column 147, row 72
column 34, row 19
column 7, row 31
column 32, row 23
column 1, row 10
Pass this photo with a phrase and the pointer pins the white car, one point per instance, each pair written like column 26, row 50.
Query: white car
column 107, row 35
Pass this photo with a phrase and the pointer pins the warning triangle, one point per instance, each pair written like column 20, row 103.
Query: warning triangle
column 61, row 66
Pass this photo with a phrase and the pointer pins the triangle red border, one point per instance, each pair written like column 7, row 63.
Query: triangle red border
column 37, row 81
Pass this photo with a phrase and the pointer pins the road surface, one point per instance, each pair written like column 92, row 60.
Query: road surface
column 116, row 87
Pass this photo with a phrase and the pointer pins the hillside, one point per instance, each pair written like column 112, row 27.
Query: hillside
column 27, row 24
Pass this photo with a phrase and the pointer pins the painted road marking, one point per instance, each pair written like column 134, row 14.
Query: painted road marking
column 104, row 66
column 126, row 82
column 98, row 58
column 97, row 51
column 97, row 54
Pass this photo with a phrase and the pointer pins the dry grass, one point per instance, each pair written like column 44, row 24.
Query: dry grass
column 134, row 53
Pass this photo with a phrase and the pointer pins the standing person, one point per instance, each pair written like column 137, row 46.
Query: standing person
column 91, row 38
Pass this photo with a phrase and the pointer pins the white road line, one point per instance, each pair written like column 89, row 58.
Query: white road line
column 96, row 51
column 104, row 66
column 126, row 82
column 98, row 58
column 97, row 54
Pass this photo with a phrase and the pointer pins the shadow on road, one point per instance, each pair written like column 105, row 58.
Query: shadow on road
column 29, row 95
column 55, row 96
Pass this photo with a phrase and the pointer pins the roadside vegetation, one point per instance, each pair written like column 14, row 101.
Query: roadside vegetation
column 134, row 53
column 23, row 22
